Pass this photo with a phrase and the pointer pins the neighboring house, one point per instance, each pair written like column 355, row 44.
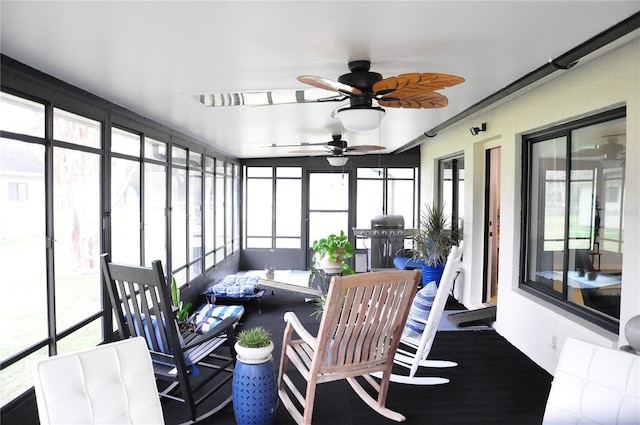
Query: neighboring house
column 21, row 185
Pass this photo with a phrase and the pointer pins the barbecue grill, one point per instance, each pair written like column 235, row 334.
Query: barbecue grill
column 387, row 235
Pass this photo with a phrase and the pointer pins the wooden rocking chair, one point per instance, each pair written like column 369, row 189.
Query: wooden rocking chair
column 359, row 333
column 142, row 304
column 413, row 352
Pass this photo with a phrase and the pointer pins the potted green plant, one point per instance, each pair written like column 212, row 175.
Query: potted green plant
column 433, row 241
column 254, row 345
column 182, row 310
column 323, row 285
column 330, row 252
column 254, row 387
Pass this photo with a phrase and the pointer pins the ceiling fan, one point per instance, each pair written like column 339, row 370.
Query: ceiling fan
column 612, row 149
column 360, row 86
column 336, row 146
column 337, row 149
column 611, row 154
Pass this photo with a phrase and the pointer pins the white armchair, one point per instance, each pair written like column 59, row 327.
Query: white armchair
column 594, row 385
column 109, row 384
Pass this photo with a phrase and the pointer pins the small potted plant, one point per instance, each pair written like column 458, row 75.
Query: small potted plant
column 331, row 251
column 254, row 345
column 254, row 385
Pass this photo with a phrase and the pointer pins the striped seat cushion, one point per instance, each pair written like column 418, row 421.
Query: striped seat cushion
column 420, row 309
column 209, row 315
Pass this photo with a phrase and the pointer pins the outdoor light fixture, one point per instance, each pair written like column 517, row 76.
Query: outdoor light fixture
column 475, row 130
column 360, row 118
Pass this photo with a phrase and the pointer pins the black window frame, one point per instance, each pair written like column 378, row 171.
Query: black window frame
column 555, row 298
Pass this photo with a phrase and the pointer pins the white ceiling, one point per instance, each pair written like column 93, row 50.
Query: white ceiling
column 152, row 56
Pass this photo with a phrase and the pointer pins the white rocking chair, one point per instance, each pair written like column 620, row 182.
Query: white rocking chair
column 412, row 352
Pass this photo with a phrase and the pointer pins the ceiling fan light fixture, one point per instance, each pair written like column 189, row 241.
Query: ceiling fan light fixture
column 337, row 161
column 360, row 119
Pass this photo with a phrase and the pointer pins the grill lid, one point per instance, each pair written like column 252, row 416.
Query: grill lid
column 387, row 222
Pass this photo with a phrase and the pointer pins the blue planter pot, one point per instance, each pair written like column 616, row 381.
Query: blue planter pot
column 431, row 273
column 255, row 393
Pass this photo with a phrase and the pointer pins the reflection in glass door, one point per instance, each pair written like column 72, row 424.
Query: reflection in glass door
column 328, row 205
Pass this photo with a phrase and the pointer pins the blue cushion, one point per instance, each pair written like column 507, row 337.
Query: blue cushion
column 407, row 263
column 420, row 310
column 209, row 315
column 161, row 348
column 234, row 286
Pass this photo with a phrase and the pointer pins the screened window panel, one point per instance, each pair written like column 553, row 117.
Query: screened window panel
column 21, row 116
column 259, row 207
column 195, row 221
column 228, row 210
column 72, row 128
column 219, row 216
column 209, row 260
column 370, row 173
column 209, row 212
column 400, row 199
column 259, row 172
column 22, row 226
column 209, row 163
column 257, row 242
column 88, row 336
column 236, row 208
column 369, row 203
column 155, row 197
column 293, row 172
column 322, row 224
column 329, row 191
column 178, row 218
column 125, row 211
column 400, row 173
column 178, row 155
column 195, row 160
column 155, row 149
column 17, row 378
column 125, row 142
column 288, row 210
column 77, row 226
column 288, row 243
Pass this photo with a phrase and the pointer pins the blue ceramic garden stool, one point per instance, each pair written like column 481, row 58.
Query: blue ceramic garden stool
column 255, row 393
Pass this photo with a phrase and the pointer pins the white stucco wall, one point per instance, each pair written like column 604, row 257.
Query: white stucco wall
column 608, row 81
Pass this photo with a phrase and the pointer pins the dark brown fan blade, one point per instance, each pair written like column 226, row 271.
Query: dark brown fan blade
column 425, row 82
column 419, row 100
column 325, row 83
column 364, row 148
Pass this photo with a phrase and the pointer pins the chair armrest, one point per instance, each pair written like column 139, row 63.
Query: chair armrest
column 293, row 320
